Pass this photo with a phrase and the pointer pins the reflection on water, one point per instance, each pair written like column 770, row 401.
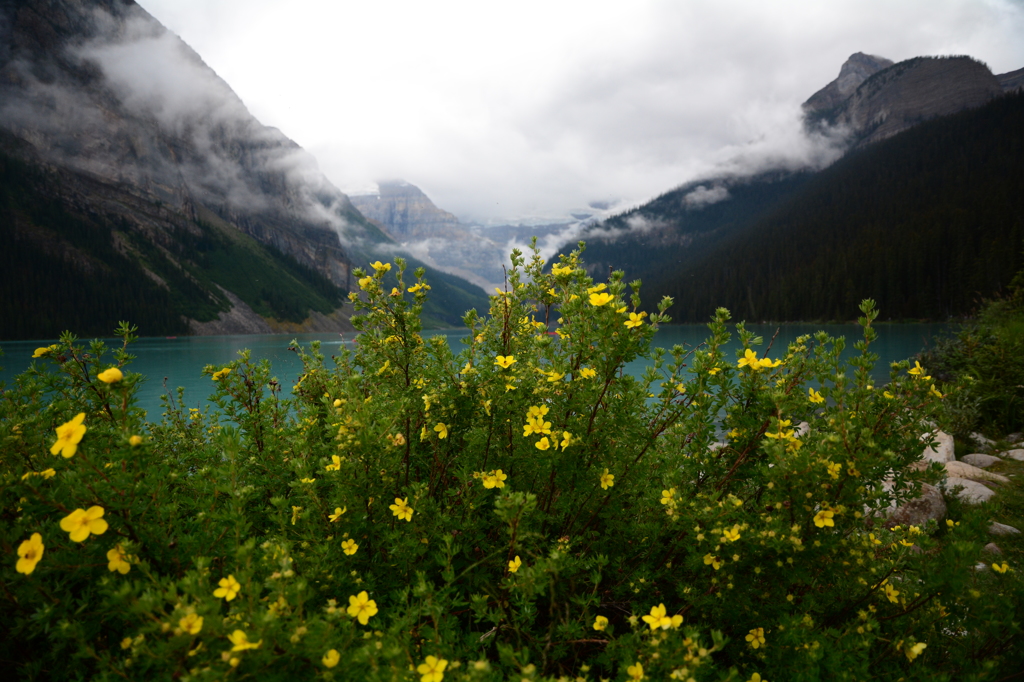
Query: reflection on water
column 179, row 362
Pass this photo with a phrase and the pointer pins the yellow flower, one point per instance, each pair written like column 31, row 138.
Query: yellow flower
column 714, row 370
column 1001, row 568
column 824, row 518
column 600, row 623
column 731, row 534
column 229, row 588
column 635, row 320
column 668, row 496
column 46, row 350
column 597, row 287
column 221, row 373
column 338, row 511
column 495, row 479
column 350, row 547
column 432, row 670
column 815, row 397
column 401, row 509
column 331, row 658
column 69, row 435
column 335, row 464
column 241, row 641
column 659, row 618
column 750, row 360
column 307, row 480
column 118, row 560
column 756, row 677
column 712, row 561
column 607, row 480
column 888, row 395
column 916, row 370
column 598, row 300
column 110, row 376
column 913, row 651
column 935, row 392
column 442, row 430
column 295, row 513
column 48, row 473
column 755, row 638
column 766, row 363
column 29, row 553
column 504, row 361
column 81, row 523
column 566, row 440
column 588, row 373
column 514, row 565
column 892, row 594
column 135, row 441
column 191, row 623
column 543, row 443
column 559, row 270
column 361, row 607
column 635, row 672
column 365, row 282
column 381, row 267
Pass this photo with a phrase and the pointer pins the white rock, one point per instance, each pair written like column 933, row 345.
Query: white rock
column 916, row 512
column 981, row 441
column 992, row 548
column 971, row 492
column 802, row 429
column 943, row 451
column 965, row 470
column 1017, row 454
column 979, row 460
column 1002, row 529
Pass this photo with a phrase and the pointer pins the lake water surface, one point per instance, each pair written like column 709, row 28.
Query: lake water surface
column 179, row 361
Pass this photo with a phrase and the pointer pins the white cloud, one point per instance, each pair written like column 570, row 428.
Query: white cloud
column 537, row 108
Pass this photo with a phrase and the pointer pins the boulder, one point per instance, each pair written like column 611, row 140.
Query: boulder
column 1014, row 437
column 986, row 444
column 965, row 470
column 943, row 450
column 992, row 548
column 970, row 491
column 979, row 460
column 1017, row 454
column 916, row 512
column 802, row 429
column 1002, row 529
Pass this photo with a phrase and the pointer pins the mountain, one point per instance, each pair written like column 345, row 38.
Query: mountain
column 669, row 239
column 854, row 71
column 896, row 97
column 927, row 223
column 474, row 252
column 118, row 130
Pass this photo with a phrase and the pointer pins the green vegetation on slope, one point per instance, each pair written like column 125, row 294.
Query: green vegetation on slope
column 926, row 223
column 63, row 265
column 59, row 269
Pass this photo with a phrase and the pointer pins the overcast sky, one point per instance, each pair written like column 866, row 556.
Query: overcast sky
column 504, row 111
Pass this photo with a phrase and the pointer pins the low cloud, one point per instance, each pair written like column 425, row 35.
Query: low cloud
column 702, row 196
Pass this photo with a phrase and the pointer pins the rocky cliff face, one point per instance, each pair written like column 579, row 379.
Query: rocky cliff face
column 406, row 213
column 857, row 69
column 1012, row 80
column 890, row 98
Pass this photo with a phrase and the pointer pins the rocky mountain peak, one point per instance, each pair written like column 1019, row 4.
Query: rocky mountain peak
column 855, row 70
column 874, row 99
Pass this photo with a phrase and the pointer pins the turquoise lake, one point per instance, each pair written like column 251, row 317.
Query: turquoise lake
column 179, row 361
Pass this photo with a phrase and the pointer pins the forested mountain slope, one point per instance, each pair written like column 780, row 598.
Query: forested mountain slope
column 926, row 223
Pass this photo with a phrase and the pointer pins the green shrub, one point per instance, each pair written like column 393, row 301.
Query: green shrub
column 524, row 509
